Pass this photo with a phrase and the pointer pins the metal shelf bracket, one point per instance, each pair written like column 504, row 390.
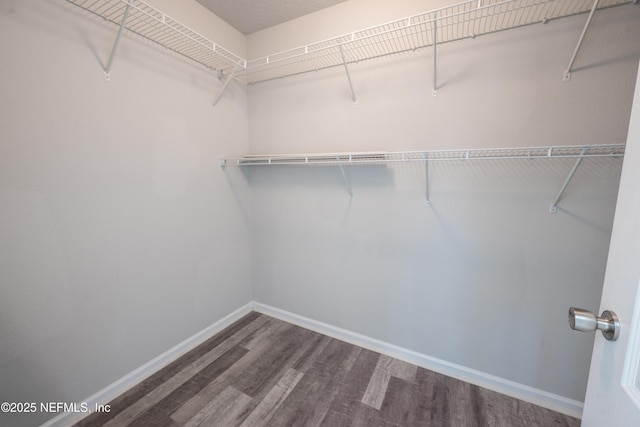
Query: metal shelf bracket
column 107, row 69
column 426, row 172
column 346, row 69
column 554, row 205
column 567, row 74
column 346, row 181
column 226, row 83
column 435, row 56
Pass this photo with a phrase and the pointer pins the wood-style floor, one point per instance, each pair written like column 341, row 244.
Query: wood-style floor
column 261, row 371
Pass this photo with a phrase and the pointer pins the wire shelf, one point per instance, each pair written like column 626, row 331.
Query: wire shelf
column 572, row 151
column 460, row 21
column 464, row 20
column 152, row 24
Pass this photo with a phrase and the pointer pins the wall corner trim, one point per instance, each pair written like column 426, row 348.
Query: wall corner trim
column 529, row 394
column 115, row 389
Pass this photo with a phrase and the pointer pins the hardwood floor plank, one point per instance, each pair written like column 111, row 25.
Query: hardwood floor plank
column 309, row 356
column 366, row 416
column 332, row 388
column 401, row 405
column 434, row 390
column 513, row 412
column 310, row 400
column 262, row 414
column 377, row 387
column 270, row 327
column 347, row 403
column 273, row 360
column 386, row 368
column 170, row 398
column 222, row 411
column 192, row 387
column 257, row 372
column 463, row 404
column 155, row 417
column 402, row 370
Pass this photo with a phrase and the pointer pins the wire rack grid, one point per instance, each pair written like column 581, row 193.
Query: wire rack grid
column 152, row 24
column 456, row 22
column 571, row 151
column 460, row 21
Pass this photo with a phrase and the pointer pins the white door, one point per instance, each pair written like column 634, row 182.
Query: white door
column 613, row 390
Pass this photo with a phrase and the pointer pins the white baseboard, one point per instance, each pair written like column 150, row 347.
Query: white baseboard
column 529, row 394
column 510, row 388
column 115, row 389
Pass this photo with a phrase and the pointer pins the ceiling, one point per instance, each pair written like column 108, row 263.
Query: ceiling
column 249, row 16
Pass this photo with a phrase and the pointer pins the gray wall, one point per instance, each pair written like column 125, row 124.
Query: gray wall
column 485, row 276
column 120, row 236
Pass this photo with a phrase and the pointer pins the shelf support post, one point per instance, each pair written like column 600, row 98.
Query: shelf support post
column 567, row 73
column 554, row 206
column 224, row 86
column 426, row 172
column 435, row 56
column 346, row 69
column 107, row 69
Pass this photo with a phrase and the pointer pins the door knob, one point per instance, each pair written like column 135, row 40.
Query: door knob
column 586, row 321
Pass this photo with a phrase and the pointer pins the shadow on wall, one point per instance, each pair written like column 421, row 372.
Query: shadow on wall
column 319, row 178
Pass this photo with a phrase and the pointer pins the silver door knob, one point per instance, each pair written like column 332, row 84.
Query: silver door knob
column 586, row 321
